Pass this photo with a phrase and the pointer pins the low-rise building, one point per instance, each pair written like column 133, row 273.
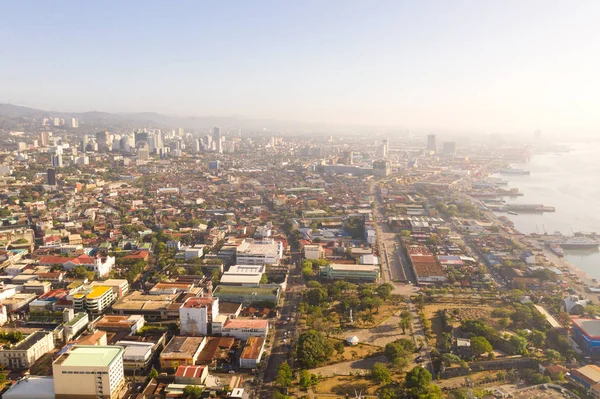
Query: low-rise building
column 74, row 323
column 252, row 353
column 119, row 286
column 247, row 295
column 37, row 287
column 191, row 375
column 586, row 376
column 586, row 333
column 350, row 272
column 244, row 328
column 196, row 315
column 31, row 387
column 130, row 324
column 153, row 307
column 25, row 353
column 181, row 351
column 260, row 252
column 243, row 275
column 426, row 267
column 313, row 251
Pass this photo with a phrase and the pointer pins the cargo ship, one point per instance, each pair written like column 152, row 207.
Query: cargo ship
column 514, row 171
column 579, row 243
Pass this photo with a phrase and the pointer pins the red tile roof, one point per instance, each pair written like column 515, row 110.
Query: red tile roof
column 189, row 371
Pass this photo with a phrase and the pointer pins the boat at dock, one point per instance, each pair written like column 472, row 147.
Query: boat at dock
column 529, row 208
column 557, row 249
column 512, row 213
column 579, row 243
column 514, row 171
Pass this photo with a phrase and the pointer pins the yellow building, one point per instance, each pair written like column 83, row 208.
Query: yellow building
column 94, row 299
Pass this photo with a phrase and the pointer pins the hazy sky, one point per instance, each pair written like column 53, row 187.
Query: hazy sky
column 484, row 64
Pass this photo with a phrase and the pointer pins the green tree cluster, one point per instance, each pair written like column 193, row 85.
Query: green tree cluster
column 313, row 348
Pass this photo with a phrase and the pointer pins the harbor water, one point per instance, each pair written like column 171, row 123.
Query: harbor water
column 570, row 182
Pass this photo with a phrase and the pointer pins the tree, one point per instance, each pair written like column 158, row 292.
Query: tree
column 215, row 276
column 339, row 347
column 264, row 279
column 153, row 373
column 307, row 271
column 80, row 272
column 553, row 355
column 192, row 391
column 316, row 296
column 405, row 317
column 307, row 379
column 389, row 393
column 384, row 291
column 449, row 359
column 538, row 338
column 313, row 348
column 480, row 345
column 518, row 344
column 381, row 374
column 503, row 323
column 418, row 380
column 284, row 376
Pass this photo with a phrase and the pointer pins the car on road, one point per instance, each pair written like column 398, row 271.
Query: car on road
column 419, row 359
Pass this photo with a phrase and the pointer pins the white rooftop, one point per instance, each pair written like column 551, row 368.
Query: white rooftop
column 32, row 388
column 246, row 269
column 240, row 279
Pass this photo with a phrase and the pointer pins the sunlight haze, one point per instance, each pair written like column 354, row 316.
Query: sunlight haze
column 510, row 65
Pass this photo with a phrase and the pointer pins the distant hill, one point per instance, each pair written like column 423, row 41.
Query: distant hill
column 153, row 119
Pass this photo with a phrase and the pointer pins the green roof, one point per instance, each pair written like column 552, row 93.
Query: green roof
column 235, row 290
column 78, row 316
column 92, row 356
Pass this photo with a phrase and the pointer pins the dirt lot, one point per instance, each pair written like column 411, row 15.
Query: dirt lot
column 354, row 353
column 341, row 385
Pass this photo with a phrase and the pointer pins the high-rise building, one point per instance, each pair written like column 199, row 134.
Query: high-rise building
column 84, row 144
column 141, row 137
column 348, row 157
column 21, row 146
column 74, row 123
column 44, row 136
column 56, row 121
column 57, row 161
column 431, row 144
column 51, row 177
column 143, row 153
column 383, row 150
column 103, row 141
column 180, row 132
column 449, row 148
column 89, row 372
column 196, row 145
column 381, row 168
column 216, row 136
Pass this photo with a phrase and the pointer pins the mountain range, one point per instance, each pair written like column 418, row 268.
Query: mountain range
column 153, row 119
